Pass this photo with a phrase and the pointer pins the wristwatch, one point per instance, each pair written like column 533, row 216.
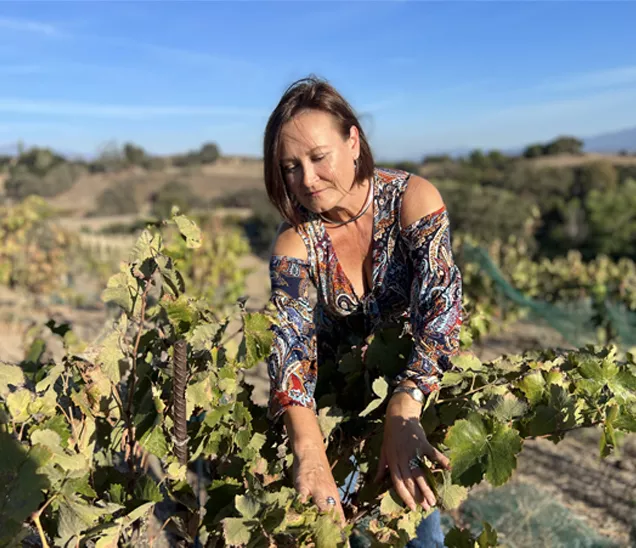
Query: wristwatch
column 415, row 393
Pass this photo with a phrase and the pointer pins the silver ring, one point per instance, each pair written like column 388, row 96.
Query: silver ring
column 415, row 463
column 331, row 501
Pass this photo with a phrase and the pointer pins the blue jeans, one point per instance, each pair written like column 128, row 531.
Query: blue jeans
column 429, row 533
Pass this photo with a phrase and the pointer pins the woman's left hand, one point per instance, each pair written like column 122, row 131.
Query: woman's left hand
column 405, row 440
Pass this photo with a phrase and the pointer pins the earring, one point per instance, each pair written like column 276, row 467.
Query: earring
column 355, row 164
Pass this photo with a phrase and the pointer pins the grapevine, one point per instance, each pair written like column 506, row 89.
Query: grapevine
column 77, row 434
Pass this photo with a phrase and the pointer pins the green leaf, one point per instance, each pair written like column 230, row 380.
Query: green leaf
column 10, row 375
column 18, row 403
column 503, row 449
column 452, row 378
column 79, row 486
column 459, row 538
column 473, row 448
column 407, row 524
column 49, row 380
column 146, row 489
column 120, row 289
column 76, row 516
column 508, row 407
column 180, row 313
column 467, row 361
column 111, row 356
column 327, row 532
column 237, row 531
column 391, row 504
column 154, row 441
column 247, row 506
column 257, row 338
column 21, row 485
column 146, row 247
column 380, row 387
column 189, row 230
column 533, row 386
column 328, row 419
column 373, row 405
column 202, row 336
column 450, row 495
column 488, row 536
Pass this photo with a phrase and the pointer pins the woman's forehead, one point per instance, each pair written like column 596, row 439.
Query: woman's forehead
column 309, row 130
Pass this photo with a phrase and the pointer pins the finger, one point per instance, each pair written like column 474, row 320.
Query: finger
column 424, row 488
column 381, row 472
column 400, row 488
column 321, row 500
column 437, row 456
column 413, row 488
column 303, row 493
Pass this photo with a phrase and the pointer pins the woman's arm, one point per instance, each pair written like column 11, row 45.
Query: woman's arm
column 435, row 321
column 292, row 368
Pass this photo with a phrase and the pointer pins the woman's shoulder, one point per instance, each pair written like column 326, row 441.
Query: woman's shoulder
column 288, row 243
column 421, row 199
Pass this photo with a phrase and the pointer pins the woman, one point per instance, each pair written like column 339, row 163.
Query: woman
column 375, row 245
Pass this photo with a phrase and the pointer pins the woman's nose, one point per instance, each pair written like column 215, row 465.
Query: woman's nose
column 309, row 175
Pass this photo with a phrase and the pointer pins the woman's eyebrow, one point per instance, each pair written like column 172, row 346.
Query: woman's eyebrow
column 289, row 159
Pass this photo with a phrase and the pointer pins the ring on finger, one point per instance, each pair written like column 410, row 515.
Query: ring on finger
column 331, row 501
column 415, row 463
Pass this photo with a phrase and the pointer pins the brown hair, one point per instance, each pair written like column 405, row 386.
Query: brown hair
column 309, row 93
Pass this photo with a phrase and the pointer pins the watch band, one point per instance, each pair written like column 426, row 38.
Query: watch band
column 414, row 392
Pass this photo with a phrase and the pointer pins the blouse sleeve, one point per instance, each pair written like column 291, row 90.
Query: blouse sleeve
column 436, row 300
column 292, row 363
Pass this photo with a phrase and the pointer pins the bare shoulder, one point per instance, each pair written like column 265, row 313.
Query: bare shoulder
column 421, row 198
column 288, row 242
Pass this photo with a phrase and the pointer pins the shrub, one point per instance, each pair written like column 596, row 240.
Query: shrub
column 119, row 199
column 57, row 179
column 173, row 193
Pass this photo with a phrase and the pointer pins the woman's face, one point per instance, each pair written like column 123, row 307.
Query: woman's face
column 317, row 163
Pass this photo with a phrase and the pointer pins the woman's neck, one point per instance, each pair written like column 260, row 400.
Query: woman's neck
column 352, row 205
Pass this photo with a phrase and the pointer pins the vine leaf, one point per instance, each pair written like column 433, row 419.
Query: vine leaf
column 189, row 230
column 237, row 531
column 391, row 505
column 475, row 450
column 21, row 485
column 257, row 339
column 381, row 389
column 10, row 375
column 449, row 494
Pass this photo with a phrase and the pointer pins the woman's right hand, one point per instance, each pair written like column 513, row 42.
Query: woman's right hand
column 313, row 479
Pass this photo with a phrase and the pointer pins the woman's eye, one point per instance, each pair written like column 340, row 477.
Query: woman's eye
column 319, row 158
column 289, row 169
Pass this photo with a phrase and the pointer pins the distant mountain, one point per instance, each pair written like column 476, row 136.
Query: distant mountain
column 624, row 139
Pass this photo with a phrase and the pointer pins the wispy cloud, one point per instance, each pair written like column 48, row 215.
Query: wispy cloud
column 29, row 25
column 24, row 127
column 171, row 54
column 60, row 108
column 554, row 108
column 618, row 76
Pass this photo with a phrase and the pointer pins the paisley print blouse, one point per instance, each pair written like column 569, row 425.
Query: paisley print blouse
column 414, row 280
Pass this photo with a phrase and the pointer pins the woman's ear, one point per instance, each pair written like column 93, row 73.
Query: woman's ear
column 354, row 141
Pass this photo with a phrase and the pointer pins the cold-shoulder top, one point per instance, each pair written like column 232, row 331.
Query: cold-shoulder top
column 414, row 279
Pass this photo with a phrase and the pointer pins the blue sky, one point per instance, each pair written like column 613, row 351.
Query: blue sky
column 425, row 76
